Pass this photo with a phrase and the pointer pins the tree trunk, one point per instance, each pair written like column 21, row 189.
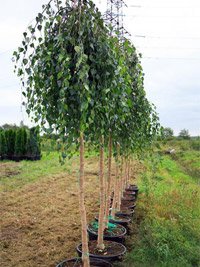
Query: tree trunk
column 128, row 176
column 114, row 203
column 85, row 255
column 100, row 244
column 108, row 193
column 116, row 187
column 120, row 185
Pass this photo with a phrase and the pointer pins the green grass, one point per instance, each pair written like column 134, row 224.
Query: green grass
column 190, row 162
column 31, row 171
column 168, row 235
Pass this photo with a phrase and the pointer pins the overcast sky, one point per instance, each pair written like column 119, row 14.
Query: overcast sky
column 167, row 33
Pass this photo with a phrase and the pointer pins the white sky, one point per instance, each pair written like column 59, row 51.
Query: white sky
column 167, row 33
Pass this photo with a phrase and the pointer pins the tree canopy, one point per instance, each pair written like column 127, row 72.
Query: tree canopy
column 78, row 78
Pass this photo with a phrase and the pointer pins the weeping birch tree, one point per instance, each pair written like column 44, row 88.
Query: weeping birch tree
column 66, row 64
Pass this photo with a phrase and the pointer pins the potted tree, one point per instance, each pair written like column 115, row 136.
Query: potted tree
column 70, row 64
column 77, row 84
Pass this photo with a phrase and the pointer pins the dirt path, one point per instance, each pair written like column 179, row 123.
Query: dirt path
column 40, row 223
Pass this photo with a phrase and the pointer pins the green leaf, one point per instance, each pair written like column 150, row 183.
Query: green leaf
column 25, row 61
column 39, row 27
column 77, row 49
column 86, row 87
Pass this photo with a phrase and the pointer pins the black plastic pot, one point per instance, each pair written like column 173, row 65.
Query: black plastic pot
column 129, row 206
column 93, row 235
column 110, row 258
column 133, row 188
column 119, row 220
column 129, row 198
column 95, row 262
column 129, row 193
column 125, row 213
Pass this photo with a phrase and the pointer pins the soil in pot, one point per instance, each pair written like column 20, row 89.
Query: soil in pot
column 113, row 251
column 114, row 232
column 129, row 198
column 125, row 213
column 124, row 221
column 127, row 203
column 76, row 262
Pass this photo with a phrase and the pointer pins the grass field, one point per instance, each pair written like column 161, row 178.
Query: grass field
column 40, row 223
column 166, row 230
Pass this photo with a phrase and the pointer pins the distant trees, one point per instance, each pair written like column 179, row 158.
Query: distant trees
column 3, row 145
column 184, row 134
column 17, row 143
column 167, row 133
column 8, row 126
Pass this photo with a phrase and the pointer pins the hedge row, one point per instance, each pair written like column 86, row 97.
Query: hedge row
column 21, row 143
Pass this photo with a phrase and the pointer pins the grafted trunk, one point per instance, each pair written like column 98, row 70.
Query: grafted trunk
column 100, row 244
column 108, row 191
column 85, row 255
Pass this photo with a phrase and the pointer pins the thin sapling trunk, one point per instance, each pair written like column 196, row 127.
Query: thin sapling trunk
column 85, row 251
column 108, row 193
column 100, row 244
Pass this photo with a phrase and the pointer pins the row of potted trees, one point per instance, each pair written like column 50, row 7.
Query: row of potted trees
column 114, row 235
column 20, row 143
column 87, row 86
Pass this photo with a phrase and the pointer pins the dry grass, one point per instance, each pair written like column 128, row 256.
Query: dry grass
column 9, row 169
column 40, row 223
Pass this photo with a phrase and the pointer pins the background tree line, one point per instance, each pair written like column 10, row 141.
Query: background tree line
column 18, row 143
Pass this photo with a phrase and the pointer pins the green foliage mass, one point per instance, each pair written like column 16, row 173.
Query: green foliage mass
column 33, row 142
column 10, row 138
column 19, row 142
column 184, row 134
column 3, row 144
column 167, row 133
column 79, row 78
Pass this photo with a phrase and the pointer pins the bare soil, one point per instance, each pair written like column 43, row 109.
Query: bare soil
column 40, row 222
